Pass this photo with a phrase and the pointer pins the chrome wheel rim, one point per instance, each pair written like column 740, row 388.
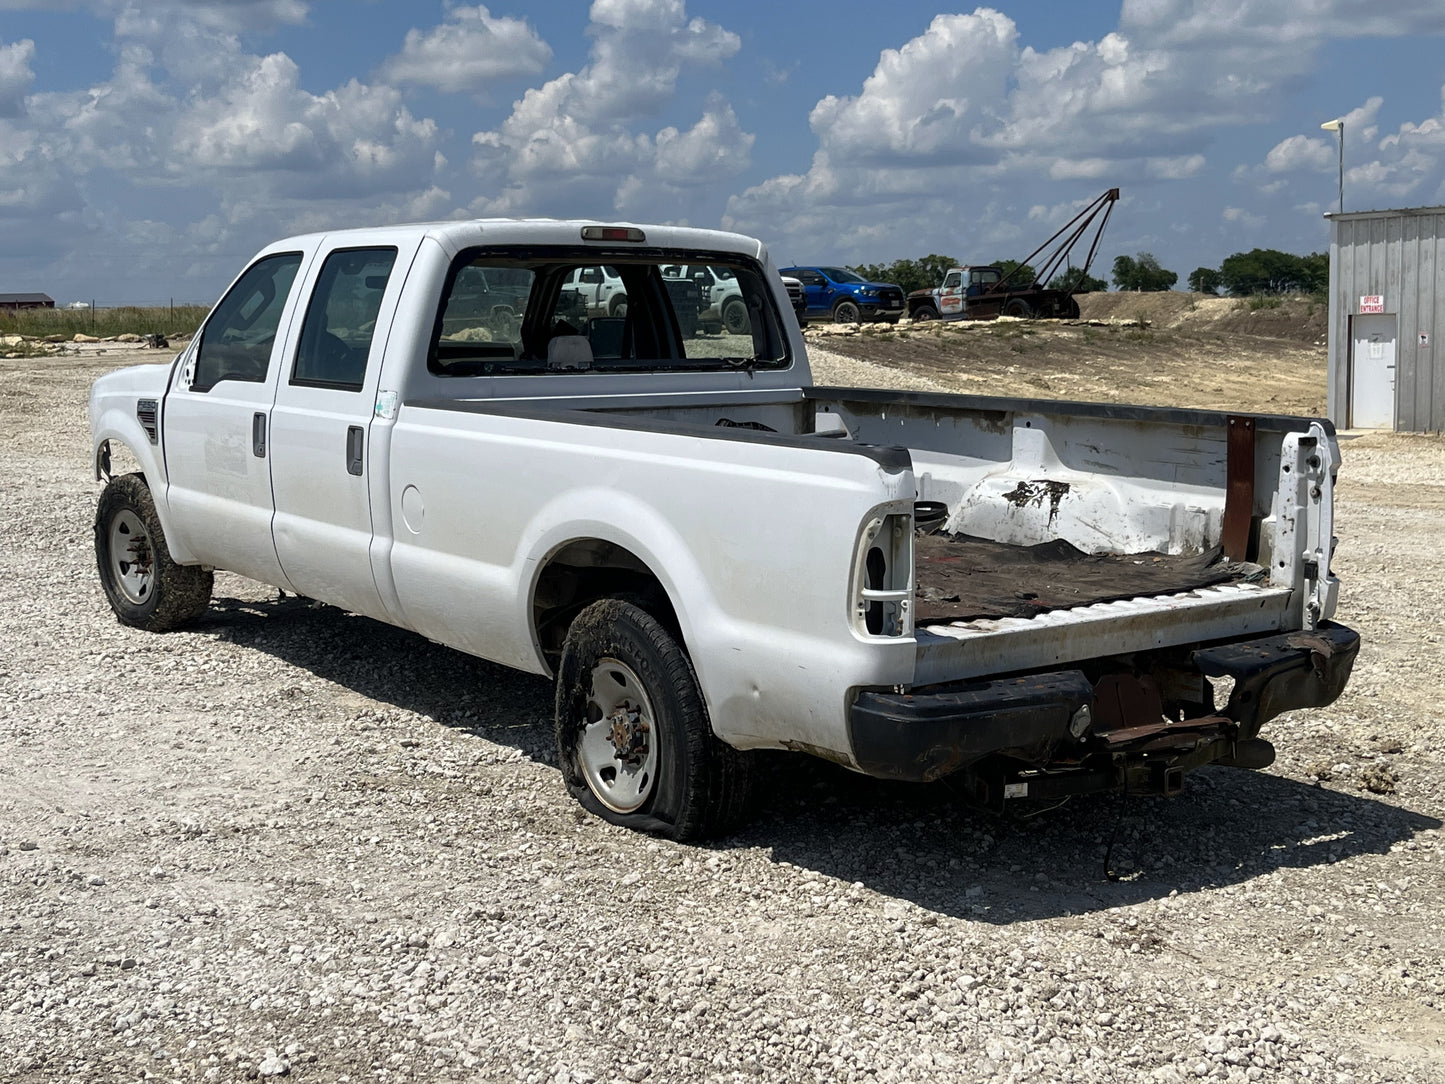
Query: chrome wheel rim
column 132, row 557
column 618, row 750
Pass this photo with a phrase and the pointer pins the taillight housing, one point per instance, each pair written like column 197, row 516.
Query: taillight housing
column 882, row 594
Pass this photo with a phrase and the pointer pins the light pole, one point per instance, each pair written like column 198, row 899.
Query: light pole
column 1338, row 125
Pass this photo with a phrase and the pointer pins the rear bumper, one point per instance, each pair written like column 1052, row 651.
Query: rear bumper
column 1042, row 725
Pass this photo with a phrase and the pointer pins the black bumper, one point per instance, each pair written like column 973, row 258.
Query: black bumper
column 1035, row 722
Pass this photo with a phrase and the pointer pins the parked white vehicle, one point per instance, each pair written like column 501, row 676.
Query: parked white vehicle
column 600, row 290
column 708, row 553
column 724, row 308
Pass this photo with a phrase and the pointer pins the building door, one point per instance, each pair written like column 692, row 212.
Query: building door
column 1372, row 372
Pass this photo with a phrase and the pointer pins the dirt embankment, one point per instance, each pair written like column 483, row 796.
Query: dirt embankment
column 1167, row 349
column 1298, row 319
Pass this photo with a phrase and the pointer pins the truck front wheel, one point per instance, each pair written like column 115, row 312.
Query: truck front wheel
column 633, row 737
column 923, row 313
column 145, row 588
column 846, row 312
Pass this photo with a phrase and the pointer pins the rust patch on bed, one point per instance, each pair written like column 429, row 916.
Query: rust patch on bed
column 1036, row 493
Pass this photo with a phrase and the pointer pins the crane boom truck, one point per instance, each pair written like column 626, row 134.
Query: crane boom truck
column 984, row 292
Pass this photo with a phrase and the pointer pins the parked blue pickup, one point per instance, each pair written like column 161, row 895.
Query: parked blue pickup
column 837, row 294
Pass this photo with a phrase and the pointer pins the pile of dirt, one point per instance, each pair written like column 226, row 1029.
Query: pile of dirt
column 1162, row 349
column 1299, row 319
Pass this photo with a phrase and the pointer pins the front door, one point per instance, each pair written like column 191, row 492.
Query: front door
column 817, row 291
column 216, row 424
column 1372, row 372
column 950, row 297
column 321, row 463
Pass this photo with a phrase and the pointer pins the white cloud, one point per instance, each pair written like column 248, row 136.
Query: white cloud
column 715, row 147
column 1241, row 217
column 1299, row 152
column 15, row 76
column 1232, row 23
column 350, row 141
column 235, row 15
column 926, row 101
column 1174, row 169
column 573, row 145
column 471, row 49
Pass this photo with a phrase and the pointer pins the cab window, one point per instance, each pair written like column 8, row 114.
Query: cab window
column 561, row 310
column 341, row 319
column 237, row 340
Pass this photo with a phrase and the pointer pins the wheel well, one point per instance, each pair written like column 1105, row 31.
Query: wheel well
column 581, row 573
column 114, row 458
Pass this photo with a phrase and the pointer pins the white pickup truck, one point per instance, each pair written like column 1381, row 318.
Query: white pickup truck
column 709, row 554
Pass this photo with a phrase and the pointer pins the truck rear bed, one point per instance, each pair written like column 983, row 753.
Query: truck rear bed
column 960, row 578
column 984, row 607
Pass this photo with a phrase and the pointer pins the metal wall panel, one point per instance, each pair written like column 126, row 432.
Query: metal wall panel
column 1401, row 255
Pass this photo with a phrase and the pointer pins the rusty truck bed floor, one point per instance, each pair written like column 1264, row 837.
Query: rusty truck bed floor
column 962, row 578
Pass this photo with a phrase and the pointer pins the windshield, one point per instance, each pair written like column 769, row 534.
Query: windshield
column 842, row 274
column 559, row 309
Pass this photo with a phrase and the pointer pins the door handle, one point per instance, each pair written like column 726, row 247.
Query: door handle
column 258, row 434
column 355, row 440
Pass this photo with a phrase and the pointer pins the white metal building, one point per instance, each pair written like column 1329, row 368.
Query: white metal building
column 1387, row 314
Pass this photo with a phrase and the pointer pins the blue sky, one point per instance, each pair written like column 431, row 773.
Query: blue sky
column 149, row 147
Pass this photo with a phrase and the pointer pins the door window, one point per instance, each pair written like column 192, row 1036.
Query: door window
column 236, row 341
column 341, row 318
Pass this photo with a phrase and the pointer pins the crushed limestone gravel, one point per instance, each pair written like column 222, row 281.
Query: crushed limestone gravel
column 294, row 843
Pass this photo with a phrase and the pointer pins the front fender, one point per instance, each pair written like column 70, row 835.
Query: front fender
column 116, row 428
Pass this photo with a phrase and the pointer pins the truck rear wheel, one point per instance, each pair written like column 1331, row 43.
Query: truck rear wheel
column 1018, row 307
column 146, row 589
column 846, row 312
column 735, row 318
column 633, row 737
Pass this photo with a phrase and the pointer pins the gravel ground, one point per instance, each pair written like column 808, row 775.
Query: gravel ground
column 292, row 842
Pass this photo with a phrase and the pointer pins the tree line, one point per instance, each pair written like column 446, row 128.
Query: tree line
column 1264, row 271
column 1258, row 271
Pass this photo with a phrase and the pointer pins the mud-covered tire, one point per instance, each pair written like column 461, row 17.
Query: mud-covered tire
column 146, row 589
column 634, row 741
column 846, row 312
column 924, row 313
column 735, row 318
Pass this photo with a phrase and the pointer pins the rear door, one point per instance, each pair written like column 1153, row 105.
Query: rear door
column 216, row 429
column 321, row 465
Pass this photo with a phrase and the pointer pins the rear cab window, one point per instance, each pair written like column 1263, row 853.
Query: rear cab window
column 341, row 319
column 565, row 309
